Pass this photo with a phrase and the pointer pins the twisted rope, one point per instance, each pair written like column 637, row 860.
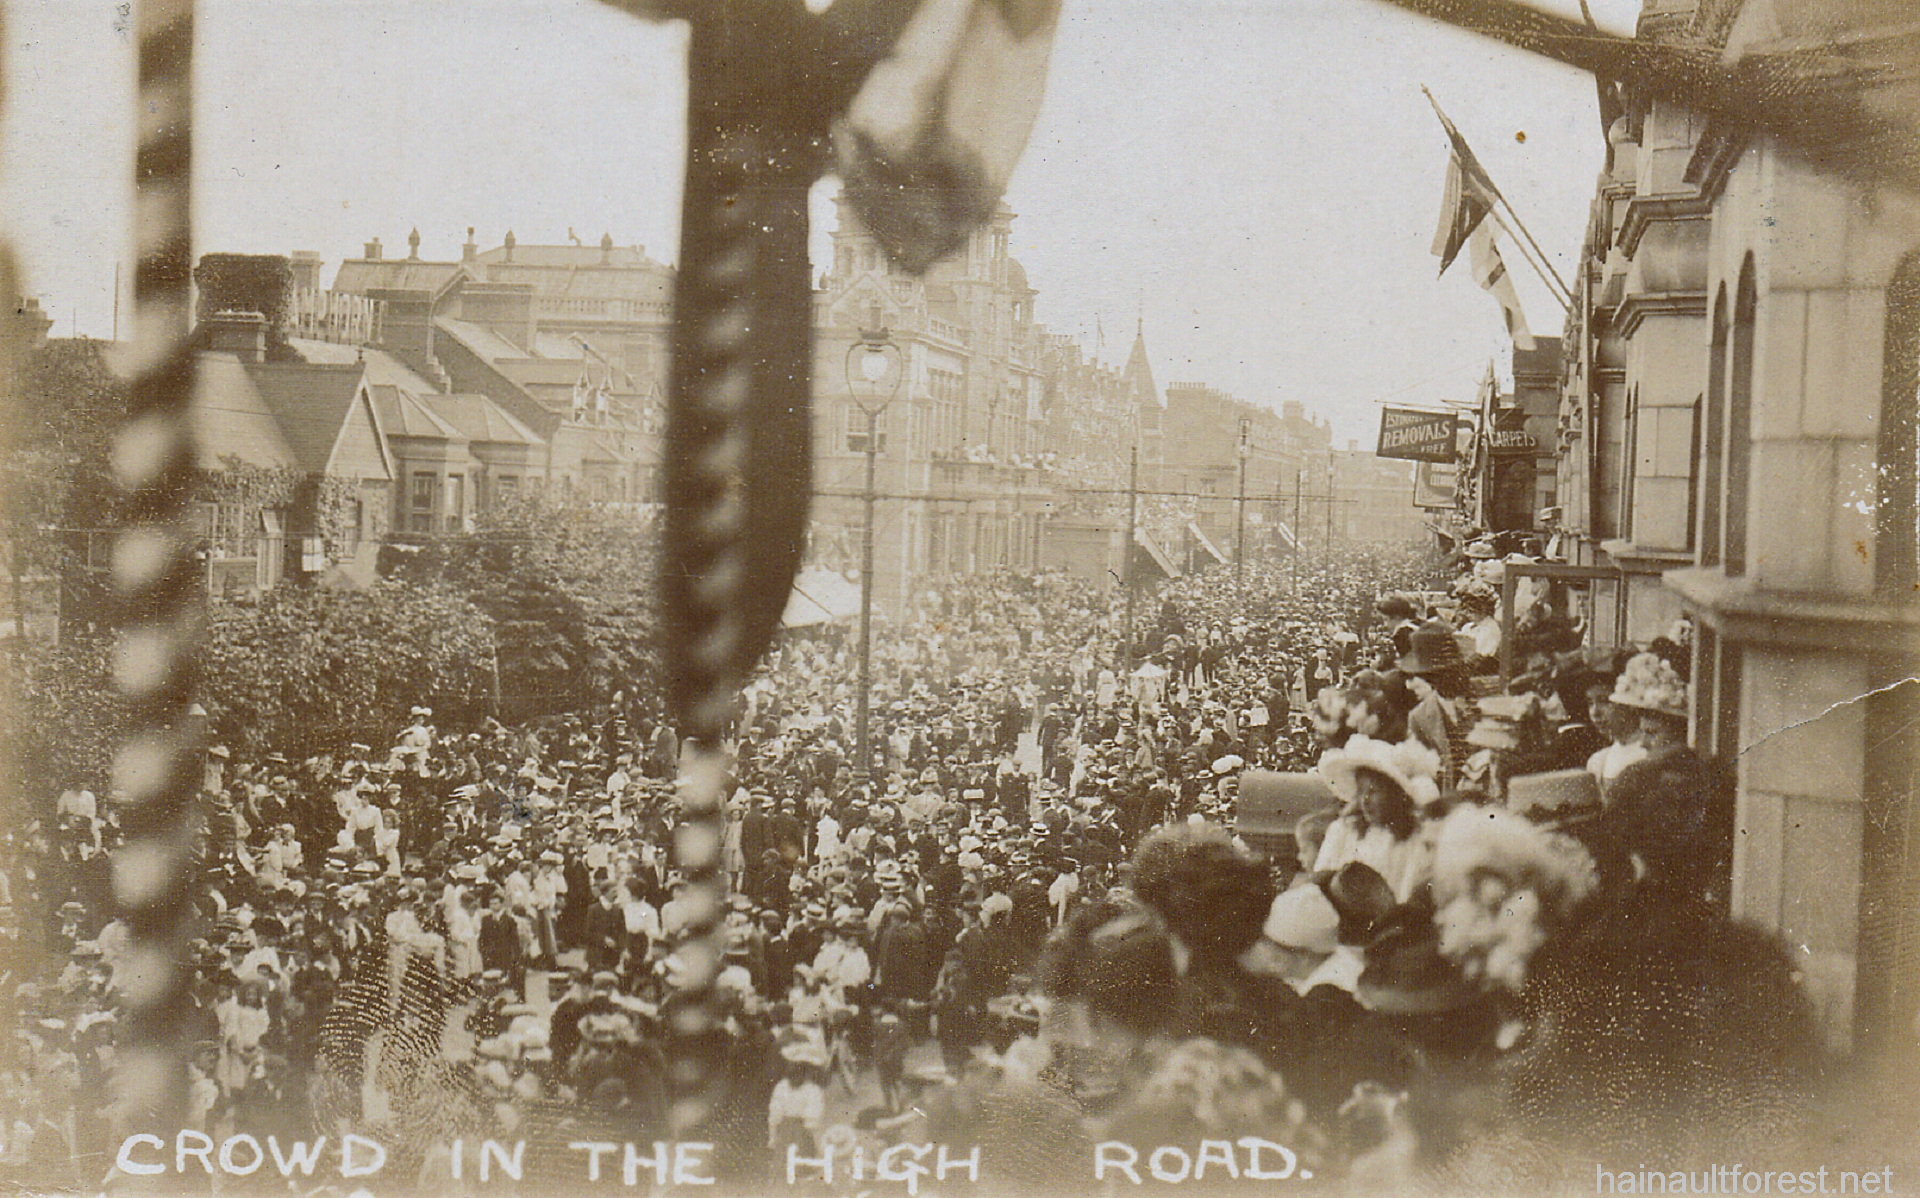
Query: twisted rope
column 158, row 587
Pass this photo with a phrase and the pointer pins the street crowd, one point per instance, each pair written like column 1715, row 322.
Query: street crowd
column 1491, row 917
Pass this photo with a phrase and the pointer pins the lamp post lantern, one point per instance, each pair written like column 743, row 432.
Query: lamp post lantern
column 875, row 368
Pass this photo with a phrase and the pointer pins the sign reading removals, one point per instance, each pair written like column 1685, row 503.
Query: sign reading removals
column 1417, row 436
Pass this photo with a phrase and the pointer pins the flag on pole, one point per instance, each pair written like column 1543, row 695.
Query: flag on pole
column 1491, row 273
column 1462, row 155
column 1462, row 209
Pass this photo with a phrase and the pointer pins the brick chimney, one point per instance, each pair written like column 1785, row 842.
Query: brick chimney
column 606, row 249
column 470, row 249
column 507, row 243
column 242, row 334
column 372, row 250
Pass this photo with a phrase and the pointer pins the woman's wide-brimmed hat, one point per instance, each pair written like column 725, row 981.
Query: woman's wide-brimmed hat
column 1434, row 650
column 1409, row 765
column 1650, row 683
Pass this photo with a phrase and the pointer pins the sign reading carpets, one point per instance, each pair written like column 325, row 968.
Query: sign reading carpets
column 1415, row 436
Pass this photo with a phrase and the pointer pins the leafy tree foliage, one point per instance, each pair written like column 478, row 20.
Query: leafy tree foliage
column 311, row 668
column 570, row 590
column 54, row 479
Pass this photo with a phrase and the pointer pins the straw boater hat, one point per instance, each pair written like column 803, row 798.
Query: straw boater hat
column 1650, row 683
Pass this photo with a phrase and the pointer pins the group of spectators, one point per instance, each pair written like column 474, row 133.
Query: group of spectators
column 1027, row 920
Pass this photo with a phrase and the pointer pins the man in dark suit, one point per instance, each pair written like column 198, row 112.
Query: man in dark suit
column 606, row 930
column 499, row 939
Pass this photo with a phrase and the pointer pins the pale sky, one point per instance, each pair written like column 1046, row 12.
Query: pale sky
column 1255, row 181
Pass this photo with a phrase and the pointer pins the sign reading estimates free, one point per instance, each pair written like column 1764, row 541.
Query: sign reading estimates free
column 1416, row 436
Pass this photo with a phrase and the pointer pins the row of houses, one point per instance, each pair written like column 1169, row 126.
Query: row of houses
column 428, row 393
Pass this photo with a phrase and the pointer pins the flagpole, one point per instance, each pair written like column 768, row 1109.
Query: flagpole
column 1563, row 293
column 1555, row 287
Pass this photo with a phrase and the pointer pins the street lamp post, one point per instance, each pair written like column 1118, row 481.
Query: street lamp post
column 873, row 379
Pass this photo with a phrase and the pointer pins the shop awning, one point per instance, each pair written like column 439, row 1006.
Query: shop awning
column 1206, row 546
column 821, row 597
column 1148, row 557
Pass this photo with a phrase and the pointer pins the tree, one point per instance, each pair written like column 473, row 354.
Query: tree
column 311, row 669
column 570, row 590
column 54, row 472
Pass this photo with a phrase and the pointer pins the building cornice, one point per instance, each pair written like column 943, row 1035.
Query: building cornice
column 1641, row 559
column 1645, row 211
column 1713, row 158
column 1743, row 613
column 1636, row 308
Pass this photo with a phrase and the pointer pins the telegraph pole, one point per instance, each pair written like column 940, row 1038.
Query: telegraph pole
column 1240, row 512
column 1328, row 547
column 1126, row 558
column 1299, row 541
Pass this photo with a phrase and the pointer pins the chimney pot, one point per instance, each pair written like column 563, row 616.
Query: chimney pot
column 469, row 251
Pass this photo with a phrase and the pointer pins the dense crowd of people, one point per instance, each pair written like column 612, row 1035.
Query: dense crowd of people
column 1495, row 917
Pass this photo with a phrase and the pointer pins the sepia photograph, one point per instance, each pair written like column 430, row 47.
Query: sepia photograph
column 871, row 598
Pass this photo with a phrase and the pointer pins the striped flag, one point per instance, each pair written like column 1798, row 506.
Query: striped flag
column 1491, row 273
column 1466, row 203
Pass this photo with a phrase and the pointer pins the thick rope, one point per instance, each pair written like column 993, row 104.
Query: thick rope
column 161, row 604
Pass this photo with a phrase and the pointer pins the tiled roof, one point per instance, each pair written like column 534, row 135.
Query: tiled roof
column 360, row 275
column 480, row 339
column 382, row 367
column 311, row 403
column 405, row 415
column 231, row 418
column 568, row 256
column 480, row 419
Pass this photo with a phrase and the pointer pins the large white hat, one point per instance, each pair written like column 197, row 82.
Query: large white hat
column 1410, row 765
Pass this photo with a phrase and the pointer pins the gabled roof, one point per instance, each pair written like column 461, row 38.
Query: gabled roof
column 315, row 419
column 405, row 415
column 314, row 405
column 480, row 419
column 232, row 420
column 382, row 367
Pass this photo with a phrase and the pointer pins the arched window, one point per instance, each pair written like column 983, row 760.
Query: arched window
column 1895, row 504
column 1714, row 443
column 1740, row 419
